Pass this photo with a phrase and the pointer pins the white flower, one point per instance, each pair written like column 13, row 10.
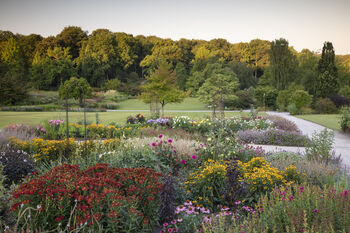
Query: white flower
column 22, row 205
column 38, row 206
column 28, row 216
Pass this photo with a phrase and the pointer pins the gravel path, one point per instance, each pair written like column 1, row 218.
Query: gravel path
column 341, row 140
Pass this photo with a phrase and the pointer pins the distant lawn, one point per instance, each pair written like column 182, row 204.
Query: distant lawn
column 34, row 118
column 328, row 120
column 188, row 104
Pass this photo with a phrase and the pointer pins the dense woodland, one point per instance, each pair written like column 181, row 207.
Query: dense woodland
column 262, row 68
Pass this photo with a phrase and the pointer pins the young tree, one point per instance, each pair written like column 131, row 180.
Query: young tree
column 77, row 88
column 219, row 87
column 327, row 72
column 161, row 87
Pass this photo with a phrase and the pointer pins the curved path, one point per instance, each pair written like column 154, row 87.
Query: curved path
column 341, row 141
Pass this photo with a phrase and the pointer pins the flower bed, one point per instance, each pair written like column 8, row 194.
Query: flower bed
column 100, row 197
column 273, row 137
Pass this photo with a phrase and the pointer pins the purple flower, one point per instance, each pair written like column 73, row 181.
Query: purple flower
column 179, row 220
column 174, row 151
column 194, row 156
column 173, row 221
column 154, row 144
column 237, row 202
column 183, row 162
column 160, row 136
column 301, row 189
column 170, row 141
column 315, row 211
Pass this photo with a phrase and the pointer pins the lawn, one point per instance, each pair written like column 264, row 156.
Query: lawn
column 33, row 118
column 328, row 120
column 188, row 104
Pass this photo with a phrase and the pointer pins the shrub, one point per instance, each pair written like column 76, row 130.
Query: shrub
column 339, row 100
column 100, row 197
column 16, row 165
column 345, row 91
column 320, row 149
column 292, row 108
column 325, row 106
column 301, row 99
column 273, row 137
column 245, row 99
column 6, row 217
column 207, row 184
column 345, row 119
column 282, row 100
column 139, row 118
column 283, row 124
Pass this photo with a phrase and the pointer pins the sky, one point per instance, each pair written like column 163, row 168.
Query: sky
column 304, row 23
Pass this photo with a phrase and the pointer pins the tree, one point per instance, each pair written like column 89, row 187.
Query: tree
column 12, row 90
column 283, row 64
column 219, row 87
column 327, row 72
column 72, row 37
column 98, row 57
column 161, row 87
column 181, row 75
column 307, row 70
column 77, row 88
column 112, row 84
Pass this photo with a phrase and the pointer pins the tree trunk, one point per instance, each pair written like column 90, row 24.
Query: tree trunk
column 222, row 110
column 162, row 108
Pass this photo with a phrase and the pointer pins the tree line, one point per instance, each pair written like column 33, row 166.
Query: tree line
column 116, row 57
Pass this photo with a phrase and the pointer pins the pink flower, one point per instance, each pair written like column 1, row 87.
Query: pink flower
column 154, row 144
column 179, row 219
column 173, row 221
column 291, row 198
column 170, row 141
column 37, row 127
column 301, row 189
column 160, row 136
column 174, row 151
column 237, row 202
column 283, row 193
column 43, row 130
column 170, row 229
column 194, row 156
column 315, row 211
column 165, row 224
column 183, row 161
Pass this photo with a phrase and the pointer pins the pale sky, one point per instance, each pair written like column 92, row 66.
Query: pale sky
column 304, row 23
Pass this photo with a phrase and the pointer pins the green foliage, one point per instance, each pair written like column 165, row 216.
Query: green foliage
column 301, row 99
column 220, row 86
column 266, row 96
column 345, row 91
column 321, row 147
column 12, row 91
column 283, row 64
column 161, row 87
column 327, row 72
column 282, row 100
column 307, row 70
column 112, row 84
column 325, row 106
column 75, row 88
column 181, row 75
column 345, row 119
column 72, row 37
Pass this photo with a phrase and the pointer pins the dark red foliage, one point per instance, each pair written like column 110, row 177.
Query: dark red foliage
column 98, row 192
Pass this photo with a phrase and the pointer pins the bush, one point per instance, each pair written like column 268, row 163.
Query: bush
column 292, row 108
column 339, row 100
column 16, row 165
column 282, row 100
column 273, row 137
column 245, row 99
column 139, row 118
column 300, row 99
column 345, row 119
column 6, row 217
column 325, row 106
column 320, row 148
column 100, row 197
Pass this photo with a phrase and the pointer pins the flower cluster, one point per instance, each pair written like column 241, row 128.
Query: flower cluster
column 99, row 194
column 96, row 131
column 262, row 177
column 56, row 123
column 159, row 121
column 207, row 184
column 139, row 118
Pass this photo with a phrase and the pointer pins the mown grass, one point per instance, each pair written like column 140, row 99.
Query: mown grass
column 331, row 121
column 34, row 118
